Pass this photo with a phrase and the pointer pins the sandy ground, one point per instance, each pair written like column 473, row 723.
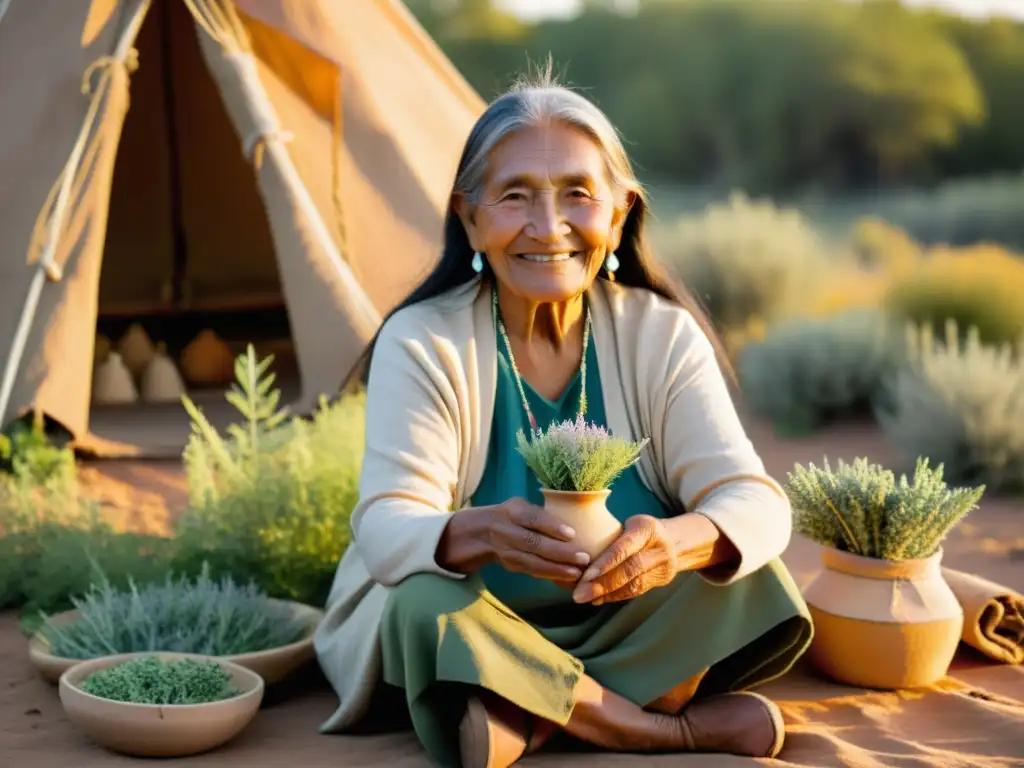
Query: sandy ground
column 973, row 719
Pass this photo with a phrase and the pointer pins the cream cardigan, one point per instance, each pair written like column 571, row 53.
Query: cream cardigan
column 429, row 406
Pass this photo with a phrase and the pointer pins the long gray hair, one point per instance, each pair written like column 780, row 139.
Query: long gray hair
column 528, row 103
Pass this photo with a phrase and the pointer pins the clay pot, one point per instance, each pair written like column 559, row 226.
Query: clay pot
column 208, row 360
column 153, row 730
column 101, row 350
column 136, row 349
column 586, row 513
column 112, row 383
column 883, row 624
column 273, row 665
column 161, row 383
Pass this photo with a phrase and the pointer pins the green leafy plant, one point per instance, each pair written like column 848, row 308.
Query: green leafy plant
column 746, row 259
column 201, row 616
column 49, row 533
column 862, row 508
column 806, row 372
column 959, row 402
column 27, row 452
column 270, row 501
column 576, row 456
column 150, row 680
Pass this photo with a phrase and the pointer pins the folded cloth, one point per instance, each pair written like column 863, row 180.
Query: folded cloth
column 993, row 616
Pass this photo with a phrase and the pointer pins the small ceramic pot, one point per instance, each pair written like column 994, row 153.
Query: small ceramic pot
column 883, row 624
column 273, row 664
column 156, row 730
column 586, row 513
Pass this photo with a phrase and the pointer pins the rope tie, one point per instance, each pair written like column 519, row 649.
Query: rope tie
column 266, row 127
column 130, row 62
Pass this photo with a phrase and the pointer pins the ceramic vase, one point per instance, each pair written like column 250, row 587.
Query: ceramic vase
column 586, row 513
column 883, row 624
column 161, row 382
column 136, row 349
column 207, row 360
column 112, row 383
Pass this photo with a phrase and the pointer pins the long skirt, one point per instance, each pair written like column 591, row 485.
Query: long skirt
column 443, row 638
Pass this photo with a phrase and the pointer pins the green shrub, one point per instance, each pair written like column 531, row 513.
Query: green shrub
column 808, row 371
column 979, row 287
column 270, row 501
column 746, row 259
column 862, row 508
column 962, row 211
column 150, row 680
column 201, row 616
column 49, row 533
column 960, row 403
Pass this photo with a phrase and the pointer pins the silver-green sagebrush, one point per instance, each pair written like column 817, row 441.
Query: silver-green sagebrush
column 577, row 456
column 202, row 616
column 862, row 508
column 150, row 680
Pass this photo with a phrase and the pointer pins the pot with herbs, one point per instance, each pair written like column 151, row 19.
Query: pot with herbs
column 883, row 614
column 205, row 616
column 160, row 705
column 576, row 464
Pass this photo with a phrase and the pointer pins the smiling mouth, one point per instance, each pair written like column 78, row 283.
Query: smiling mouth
column 549, row 258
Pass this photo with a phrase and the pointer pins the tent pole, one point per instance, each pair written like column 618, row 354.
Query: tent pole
column 28, row 314
column 179, row 245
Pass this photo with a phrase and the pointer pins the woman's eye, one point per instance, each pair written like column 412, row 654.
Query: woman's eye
column 513, row 197
column 579, row 194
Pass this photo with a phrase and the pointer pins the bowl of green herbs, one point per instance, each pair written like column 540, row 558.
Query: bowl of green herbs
column 160, row 704
column 203, row 616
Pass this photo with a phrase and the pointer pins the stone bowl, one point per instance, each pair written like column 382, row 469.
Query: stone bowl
column 273, row 664
column 159, row 730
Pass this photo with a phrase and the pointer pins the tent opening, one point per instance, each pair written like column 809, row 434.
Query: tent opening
column 188, row 246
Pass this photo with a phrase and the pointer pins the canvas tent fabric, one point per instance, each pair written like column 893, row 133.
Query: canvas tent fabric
column 317, row 144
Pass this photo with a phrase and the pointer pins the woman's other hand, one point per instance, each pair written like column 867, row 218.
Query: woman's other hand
column 642, row 558
column 522, row 537
column 650, row 552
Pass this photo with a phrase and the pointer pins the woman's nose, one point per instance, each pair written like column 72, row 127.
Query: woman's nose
column 546, row 222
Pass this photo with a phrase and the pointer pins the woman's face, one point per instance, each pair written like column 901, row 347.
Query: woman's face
column 547, row 216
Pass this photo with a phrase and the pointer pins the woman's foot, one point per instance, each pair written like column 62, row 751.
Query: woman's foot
column 495, row 733
column 737, row 723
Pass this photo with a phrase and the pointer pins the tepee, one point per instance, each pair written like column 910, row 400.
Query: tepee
column 216, row 153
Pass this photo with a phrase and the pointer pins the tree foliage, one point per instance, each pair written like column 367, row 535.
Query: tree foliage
column 772, row 96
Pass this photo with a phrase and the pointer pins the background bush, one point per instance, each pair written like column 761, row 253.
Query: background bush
column 960, row 403
column 270, row 501
column 808, row 371
column 979, row 287
column 745, row 259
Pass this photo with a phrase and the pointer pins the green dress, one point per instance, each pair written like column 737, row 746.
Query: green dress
column 524, row 638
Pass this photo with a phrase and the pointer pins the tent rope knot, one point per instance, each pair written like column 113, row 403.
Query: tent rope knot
column 130, row 62
column 266, row 127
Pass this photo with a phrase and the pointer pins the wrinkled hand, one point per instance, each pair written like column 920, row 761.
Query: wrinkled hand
column 526, row 538
column 642, row 558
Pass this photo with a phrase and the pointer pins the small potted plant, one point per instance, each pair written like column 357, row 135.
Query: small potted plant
column 576, row 463
column 160, row 705
column 204, row 616
column 884, row 617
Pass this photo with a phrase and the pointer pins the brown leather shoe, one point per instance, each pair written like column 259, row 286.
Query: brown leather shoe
column 492, row 736
column 741, row 723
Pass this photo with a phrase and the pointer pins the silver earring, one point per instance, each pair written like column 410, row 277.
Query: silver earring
column 611, row 262
column 477, row 263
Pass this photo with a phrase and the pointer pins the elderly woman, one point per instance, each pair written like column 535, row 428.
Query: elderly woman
column 546, row 305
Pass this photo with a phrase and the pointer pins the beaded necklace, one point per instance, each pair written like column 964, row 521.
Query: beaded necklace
column 515, row 369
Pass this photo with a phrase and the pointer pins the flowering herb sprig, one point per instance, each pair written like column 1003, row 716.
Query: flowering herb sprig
column 577, row 456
